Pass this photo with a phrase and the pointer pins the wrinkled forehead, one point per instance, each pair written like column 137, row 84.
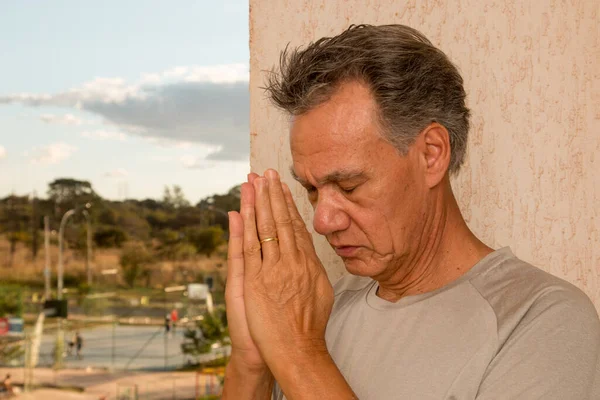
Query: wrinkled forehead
column 345, row 121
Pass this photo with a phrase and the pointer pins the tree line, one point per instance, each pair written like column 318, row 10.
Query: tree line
column 167, row 229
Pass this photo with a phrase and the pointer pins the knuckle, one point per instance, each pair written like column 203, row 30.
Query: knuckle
column 283, row 221
column 235, row 257
column 252, row 249
column 266, row 227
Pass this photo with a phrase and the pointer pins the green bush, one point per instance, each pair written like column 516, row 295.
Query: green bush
column 206, row 240
column 109, row 237
column 135, row 261
column 11, row 301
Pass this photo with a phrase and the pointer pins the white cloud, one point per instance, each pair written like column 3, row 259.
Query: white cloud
column 52, row 154
column 228, row 73
column 104, row 135
column 196, row 104
column 2, row 152
column 67, row 119
column 161, row 158
column 192, row 162
column 170, row 143
column 117, row 173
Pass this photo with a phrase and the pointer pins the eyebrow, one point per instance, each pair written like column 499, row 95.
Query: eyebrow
column 334, row 177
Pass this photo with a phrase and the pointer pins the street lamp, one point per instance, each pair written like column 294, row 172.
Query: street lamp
column 88, row 260
column 60, row 337
column 61, row 233
column 60, row 271
column 114, row 272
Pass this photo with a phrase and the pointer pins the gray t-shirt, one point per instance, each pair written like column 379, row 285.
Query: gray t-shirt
column 504, row 330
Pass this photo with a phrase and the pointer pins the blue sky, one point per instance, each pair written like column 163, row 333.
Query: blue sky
column 130, row 95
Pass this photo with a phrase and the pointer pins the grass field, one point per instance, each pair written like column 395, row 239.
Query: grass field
column 23, row 269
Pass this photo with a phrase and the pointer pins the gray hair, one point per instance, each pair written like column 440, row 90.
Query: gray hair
column 413, row 83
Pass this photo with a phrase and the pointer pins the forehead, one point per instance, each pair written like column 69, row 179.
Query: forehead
column 341, row 133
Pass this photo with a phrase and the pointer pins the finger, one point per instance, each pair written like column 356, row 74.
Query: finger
column 252, row 254
column 234, row 288
column 251, row 177
column 303, row 236
column 281, row 214
column 265, row 223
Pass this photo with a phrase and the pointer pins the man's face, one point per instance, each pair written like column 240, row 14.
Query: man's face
column 369, row 201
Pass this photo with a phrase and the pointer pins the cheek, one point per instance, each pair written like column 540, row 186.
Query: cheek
column 375, row 226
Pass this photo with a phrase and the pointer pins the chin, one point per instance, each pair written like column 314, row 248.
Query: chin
column 358, row 267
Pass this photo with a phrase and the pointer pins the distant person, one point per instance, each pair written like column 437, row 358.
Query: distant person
column 79, row 344
column 174, row 318
column 71, row 345
column 167, row 323
column 7, row 385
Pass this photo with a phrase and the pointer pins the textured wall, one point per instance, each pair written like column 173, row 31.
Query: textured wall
column 532, row 75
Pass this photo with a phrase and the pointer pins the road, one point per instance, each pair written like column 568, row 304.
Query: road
column 135, row 348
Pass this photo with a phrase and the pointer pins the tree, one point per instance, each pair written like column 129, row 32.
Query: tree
column 225, row 202
column 68, row 193
column 167, row 197
column 109, row 236
column 135, row 260
column 179, row 199
column 217, row 205
column 14, row 221
column 206, row 240
column 175, row 199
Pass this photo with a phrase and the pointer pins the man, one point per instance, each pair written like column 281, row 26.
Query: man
column 79, row 345
column 427, row 311
column 7, row 385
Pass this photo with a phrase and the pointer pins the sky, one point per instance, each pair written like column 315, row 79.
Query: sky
column 129, row 95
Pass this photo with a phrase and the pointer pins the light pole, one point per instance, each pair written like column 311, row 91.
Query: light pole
column 88, row 259
column 61, row 233
column 60, row 270
column 60, row 336
column 114, row 272
column 47, row 255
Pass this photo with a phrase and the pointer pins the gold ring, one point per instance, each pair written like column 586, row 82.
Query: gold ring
column 269, row 239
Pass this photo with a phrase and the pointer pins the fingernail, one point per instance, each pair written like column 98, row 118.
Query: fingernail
column 271, row 173
column 260, row 182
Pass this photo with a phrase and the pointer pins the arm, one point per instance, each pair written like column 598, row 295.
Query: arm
column 243, row 383
column 312, row 375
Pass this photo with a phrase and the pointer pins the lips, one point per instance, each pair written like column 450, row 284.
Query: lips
column 346, row 251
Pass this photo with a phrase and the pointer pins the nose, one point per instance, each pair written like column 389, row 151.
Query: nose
column 329, row 216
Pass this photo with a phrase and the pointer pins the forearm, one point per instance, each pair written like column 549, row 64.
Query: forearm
column 244, row 384
column 311, row 377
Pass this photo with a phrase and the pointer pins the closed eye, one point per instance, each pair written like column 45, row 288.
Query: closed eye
column 348, row 190
column 310, row 189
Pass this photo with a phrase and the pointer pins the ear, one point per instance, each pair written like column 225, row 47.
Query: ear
column 436, row 153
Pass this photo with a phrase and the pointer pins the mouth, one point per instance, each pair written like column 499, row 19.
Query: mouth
column 346, row 251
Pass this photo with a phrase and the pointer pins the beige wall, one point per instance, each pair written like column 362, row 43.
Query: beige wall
column 532, row 177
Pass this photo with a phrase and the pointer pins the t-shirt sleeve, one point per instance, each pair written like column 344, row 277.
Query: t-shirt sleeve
column 277, row 393
column 553, row 353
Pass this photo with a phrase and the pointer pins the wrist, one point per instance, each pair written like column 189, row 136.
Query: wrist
column 311, row 372
column 244, row 381
column 238, row 363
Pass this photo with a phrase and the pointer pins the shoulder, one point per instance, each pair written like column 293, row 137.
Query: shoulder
column 520, row 294
column 542, row 321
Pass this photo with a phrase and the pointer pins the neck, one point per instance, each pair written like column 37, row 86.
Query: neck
column 445, row 250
